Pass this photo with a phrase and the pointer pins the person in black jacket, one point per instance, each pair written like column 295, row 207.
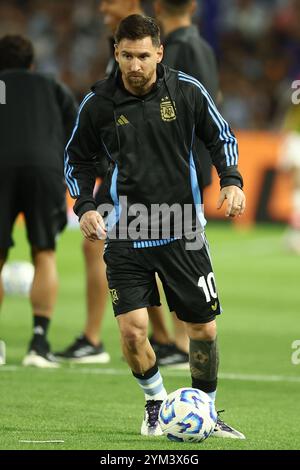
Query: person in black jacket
column 35, row 125
column 184, row 48
column 146, row 119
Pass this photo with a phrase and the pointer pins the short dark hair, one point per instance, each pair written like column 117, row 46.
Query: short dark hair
column 176, row 6
column 16, row 52
column 136, row 27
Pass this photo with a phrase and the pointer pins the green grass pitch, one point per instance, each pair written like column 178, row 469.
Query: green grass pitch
column 101, row 407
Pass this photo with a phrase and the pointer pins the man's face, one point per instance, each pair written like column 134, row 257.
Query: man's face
column 138, row 61
column 114, row 11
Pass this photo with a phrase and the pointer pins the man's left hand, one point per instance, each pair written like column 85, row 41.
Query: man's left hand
column 236, row 201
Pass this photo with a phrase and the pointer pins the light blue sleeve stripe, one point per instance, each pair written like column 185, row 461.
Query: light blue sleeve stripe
column 230, row 146
column 218, row 115
column 230, row 136
column 70, row 183
column 227, row 149
column 70, row 180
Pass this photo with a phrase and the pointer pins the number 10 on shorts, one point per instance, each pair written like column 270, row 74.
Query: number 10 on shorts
column 209, row 286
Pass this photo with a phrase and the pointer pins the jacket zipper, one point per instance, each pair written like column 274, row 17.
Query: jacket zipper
column 144, row 112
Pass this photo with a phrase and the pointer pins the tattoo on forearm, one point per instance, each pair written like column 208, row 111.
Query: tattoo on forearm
column 204, row 359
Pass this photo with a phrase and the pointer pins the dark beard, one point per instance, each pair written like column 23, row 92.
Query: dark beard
column 139, row 84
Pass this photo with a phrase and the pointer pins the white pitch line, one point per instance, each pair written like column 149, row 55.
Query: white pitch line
column 9, row 368
column 42, row 442
column 181, row 373
column 260, row 378
column 172, row 372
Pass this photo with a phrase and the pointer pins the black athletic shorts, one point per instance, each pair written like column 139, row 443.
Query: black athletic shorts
column 187, row 278
column 39, row 194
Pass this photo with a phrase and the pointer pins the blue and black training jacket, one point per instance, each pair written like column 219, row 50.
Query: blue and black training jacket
column 150, row 143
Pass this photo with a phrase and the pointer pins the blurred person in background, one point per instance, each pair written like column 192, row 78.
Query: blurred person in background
column 250, row 18
column 35, row 124
column 290, row 163
column 113, row 12
column 186, row 50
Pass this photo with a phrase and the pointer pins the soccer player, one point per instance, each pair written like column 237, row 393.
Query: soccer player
column 88, row 347
column 186, row 50
column 35, row 123
column 290, row 163
column 146, row 118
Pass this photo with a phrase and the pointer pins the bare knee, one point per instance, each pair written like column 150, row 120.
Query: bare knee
column 133, row 334
column 38, row 255
column 134, row 337
column 202, row 331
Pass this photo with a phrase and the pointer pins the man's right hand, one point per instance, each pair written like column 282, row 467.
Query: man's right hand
column 92, row 226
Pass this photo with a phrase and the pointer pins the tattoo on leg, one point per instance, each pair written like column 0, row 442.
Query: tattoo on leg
column 204, row 359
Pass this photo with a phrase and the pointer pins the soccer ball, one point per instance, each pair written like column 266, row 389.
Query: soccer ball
column 17, row 278
column 187, row 415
